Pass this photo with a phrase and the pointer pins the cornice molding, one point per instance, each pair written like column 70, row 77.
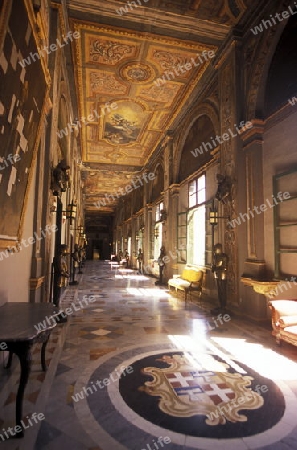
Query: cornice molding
column 202, row 29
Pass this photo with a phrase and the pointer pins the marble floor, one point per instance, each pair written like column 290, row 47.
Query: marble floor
column 133, row 368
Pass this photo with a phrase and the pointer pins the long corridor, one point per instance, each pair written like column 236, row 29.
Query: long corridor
column 134, row 368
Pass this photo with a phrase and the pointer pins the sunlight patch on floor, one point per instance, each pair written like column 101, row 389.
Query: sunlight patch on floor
column 148, row 292
column 263, row 360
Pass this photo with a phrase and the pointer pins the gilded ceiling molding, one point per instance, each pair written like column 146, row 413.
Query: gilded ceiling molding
column 187, row 24
column 59, row 8
column 79, row 25
column 36, row 30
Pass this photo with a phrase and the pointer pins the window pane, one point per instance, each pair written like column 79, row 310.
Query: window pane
column 196, row 236
column 158, row 241
column 182, row 237
column 192, row 194
column 201, row 182
column 201, row 189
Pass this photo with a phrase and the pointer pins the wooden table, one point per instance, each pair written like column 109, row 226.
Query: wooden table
column 18, row 332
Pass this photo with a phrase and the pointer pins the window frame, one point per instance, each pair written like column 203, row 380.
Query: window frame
column 195, row 206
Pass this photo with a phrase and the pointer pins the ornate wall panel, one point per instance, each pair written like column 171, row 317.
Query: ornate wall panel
column 228, row 167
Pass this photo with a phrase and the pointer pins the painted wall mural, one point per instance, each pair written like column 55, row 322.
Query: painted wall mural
column 22, row 98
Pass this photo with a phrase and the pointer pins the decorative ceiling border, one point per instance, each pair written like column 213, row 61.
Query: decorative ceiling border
column 203, row 29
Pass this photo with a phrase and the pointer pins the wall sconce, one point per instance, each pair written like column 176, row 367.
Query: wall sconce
column 137, row 237
column 214, row 220
column 213, row 216
column 71, row 211
column 156, row 232
column 80, row 230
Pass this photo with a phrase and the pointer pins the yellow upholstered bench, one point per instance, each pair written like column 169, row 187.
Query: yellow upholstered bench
column 190, row 280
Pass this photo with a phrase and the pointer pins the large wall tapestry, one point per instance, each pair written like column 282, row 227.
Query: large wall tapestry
column 23, row 90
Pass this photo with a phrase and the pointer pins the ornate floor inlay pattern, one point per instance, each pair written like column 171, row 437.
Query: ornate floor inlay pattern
column 200, row 395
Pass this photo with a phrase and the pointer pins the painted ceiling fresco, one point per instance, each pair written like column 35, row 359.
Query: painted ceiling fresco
column 132, row 85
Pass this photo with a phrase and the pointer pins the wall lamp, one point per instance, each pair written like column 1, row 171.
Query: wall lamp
column 137, row 237
column 71, row 211
column 213, row 216
column 156, row 233
column 80, row 230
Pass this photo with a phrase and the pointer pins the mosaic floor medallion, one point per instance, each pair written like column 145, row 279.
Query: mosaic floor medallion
column 202, row 396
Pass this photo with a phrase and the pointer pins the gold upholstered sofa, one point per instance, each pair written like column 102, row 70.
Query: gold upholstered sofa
column 284, row 320
column 190, row 280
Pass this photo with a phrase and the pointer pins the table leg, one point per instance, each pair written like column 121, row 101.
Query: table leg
column 8, row 365
column 23, row 351
column 43, row 348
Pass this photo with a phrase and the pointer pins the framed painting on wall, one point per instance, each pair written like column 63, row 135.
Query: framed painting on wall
column 24, row 86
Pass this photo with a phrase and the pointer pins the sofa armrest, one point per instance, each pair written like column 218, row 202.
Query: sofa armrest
column 283, row 307
column 287, row 321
